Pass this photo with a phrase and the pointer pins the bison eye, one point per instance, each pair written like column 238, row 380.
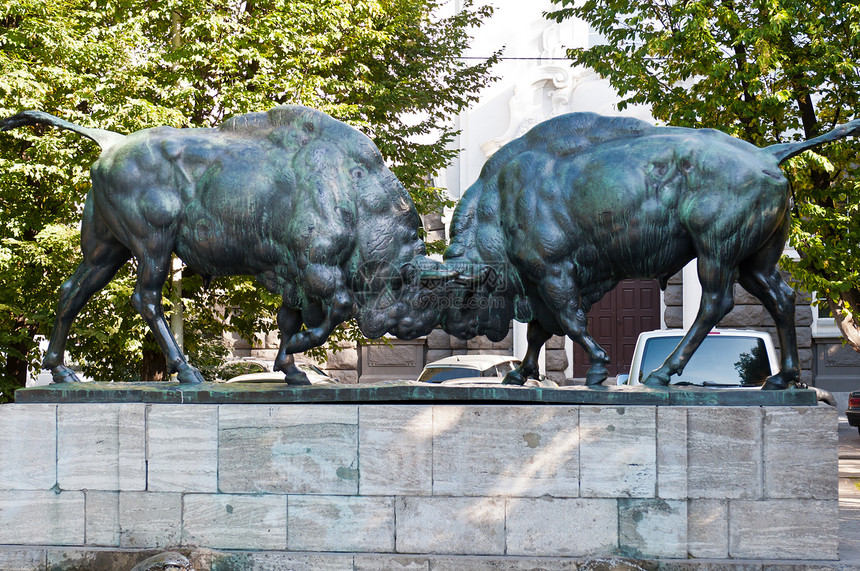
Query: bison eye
column 357, row 173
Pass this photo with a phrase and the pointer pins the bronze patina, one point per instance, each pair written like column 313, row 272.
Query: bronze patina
column 559, row 216
column 299, row 200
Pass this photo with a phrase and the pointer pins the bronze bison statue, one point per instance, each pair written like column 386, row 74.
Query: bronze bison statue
column 560, row 215
column 301, row 201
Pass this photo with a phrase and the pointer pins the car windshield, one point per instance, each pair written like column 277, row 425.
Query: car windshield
column 721, row 360
column 439, row 374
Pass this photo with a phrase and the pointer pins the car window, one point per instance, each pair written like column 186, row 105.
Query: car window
column 720, row 360
column 237, row 368
column 506, row 367
column 439, row 374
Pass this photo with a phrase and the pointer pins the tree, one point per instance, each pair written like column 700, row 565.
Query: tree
column 389, row 67
column 767, row 71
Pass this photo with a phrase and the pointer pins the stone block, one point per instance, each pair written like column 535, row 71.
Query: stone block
column 396, row 450
column 556, row 360
column 225, row 521
column 804, row 337
column 344, row 359
column 70, row 559
column 708, row 528
column 30, row 466
column 344, row 377
column 466, row 526
column 806, row 358
column 674, row 295
column 21, row 558
column 618, row 451
column 561, row 526
column 479, row 343
column 743, row 316
column 518, row 450
column 393, row 563
column 510, row 564
column 436, row 354
column 265, row 354
column 652, row 528
column 743, row 297
column 674, row 317
column 784, row 529
column 148, row 519
column 671, row 452
column 803, row 316
column 801, row 453
column 555, row 342
column 237, row 342
column 283, row 561
column 41, row 518
column 101, row 446
column 458, row 343
column 102, row 518
column 724, row 452
column 291, row 449
column 182, row 448
column 340, row 523
column 558, row 376
column 438, row 339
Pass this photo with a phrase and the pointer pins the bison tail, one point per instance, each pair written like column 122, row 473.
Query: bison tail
column 785, row 151
column 104, row 139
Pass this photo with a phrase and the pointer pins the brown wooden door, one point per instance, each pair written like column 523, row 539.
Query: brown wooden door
column 617, row 320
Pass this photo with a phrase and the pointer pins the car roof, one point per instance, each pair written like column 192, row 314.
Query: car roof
column 682, row 332
column 472, row 361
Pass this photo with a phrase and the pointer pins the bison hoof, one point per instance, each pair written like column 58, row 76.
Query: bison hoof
column 297, row 378
column 776, row 383
column 596, row 374
column 514, row 378
column 63, row 374
column 656, row 379
column 188, row 375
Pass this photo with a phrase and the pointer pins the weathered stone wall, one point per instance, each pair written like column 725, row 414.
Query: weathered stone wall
column 748, row 313
column 313, row 481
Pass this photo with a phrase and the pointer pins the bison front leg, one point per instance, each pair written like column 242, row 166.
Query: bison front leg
column 335, row 312
column 289, row 324
column 536, row 337
column 562, row 295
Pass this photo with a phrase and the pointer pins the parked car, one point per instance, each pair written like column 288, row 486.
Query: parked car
column 853, row 411
column 465, row 366
column 542, row 382
column 727, row 358
column 259, row 371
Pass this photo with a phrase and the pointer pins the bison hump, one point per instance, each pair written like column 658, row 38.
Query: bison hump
column 575, row 132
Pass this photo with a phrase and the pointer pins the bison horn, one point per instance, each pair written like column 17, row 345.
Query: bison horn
column 438, row 275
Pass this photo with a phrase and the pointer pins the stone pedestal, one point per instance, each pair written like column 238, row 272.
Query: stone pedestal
column 396, row 359
column 371, row 486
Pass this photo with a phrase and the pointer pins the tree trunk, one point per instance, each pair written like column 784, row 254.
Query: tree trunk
column 154, row 366
column 848, row 324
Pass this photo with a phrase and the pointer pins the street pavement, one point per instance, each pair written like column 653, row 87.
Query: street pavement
column 849, row 494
